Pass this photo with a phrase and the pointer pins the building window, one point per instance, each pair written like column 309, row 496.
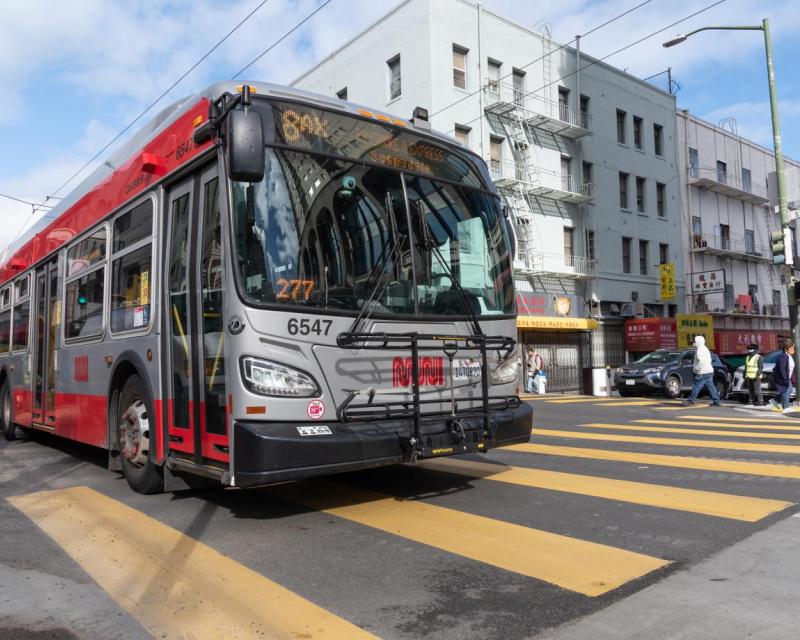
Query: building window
column 563, row 104
column 640, row 190
column 722, row 172
column 569, row 253
column 643, row 244
column 518, row 81
column 566, row 174
column 621, row 126
column 462, row 134
column 694, row 165
column 727, row 302
column 749, row 241
column 658, row 139
column 637, row 132
column 776, row 303
column 496, row 155
column 661, row 199
column 746, row 180
column 697, row 225
column 493, row 74
column 590, row 246
column 626, row 255
column 585, row 111
column 663, row 253
column 395, row 86
column 588, row 169
column 623, row 190
column 342, row 93
column 459, row 67
column 724, row 237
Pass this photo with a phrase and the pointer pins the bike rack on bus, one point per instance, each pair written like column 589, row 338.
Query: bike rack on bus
column 448, row 344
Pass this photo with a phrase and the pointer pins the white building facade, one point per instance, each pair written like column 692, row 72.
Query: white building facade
column 728, row 215
column 583, row 154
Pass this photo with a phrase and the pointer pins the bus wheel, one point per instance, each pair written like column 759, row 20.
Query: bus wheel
column 133, row 436
column 7, row 413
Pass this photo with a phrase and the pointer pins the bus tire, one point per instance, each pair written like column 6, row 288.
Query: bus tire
column 7, row 413
column 133, row 437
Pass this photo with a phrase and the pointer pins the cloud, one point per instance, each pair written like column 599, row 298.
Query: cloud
column 753, row 119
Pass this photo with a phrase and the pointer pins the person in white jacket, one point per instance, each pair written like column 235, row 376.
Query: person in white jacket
column 703, row 373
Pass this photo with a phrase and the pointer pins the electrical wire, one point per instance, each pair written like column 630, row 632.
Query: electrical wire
column 161, row 96
column 281, row 39
column 30, row 204
column 613, row 53
column 549, row 53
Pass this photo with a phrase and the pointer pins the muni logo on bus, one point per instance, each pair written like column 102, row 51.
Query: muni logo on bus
column 431, row 371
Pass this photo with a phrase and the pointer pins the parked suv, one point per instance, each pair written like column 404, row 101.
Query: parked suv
column 666, row 372
column 739, row 388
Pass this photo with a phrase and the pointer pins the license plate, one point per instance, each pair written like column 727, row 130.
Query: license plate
column 314, row 430
column 466, row 369
column 630, row 382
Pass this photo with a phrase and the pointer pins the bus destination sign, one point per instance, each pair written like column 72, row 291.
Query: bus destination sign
column 361, row 139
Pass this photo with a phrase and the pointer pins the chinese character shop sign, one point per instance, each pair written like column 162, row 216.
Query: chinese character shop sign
column 649, row 334
column 691, row 325
column 667, row 274
column 708, row 282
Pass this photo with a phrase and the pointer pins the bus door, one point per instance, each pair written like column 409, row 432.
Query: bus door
column 47, row 320
column 193, row 286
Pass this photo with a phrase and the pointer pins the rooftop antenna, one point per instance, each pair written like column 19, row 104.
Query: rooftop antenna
column 729, row 124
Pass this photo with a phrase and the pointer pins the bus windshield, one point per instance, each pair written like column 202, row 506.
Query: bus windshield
column 330, row 233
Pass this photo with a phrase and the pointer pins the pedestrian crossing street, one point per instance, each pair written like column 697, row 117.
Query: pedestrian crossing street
column 182, row 587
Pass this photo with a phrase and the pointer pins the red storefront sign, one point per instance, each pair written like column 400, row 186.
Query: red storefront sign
column 649, row 334
column 734, row 341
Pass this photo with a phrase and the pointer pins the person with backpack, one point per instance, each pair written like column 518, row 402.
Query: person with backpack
column 753, row 366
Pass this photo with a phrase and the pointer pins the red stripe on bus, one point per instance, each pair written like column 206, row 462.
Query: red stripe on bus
column 83, row 418
column 208, row 440
column 23, row 405
column 124, row 184
column 158, row 407
column 185, row 433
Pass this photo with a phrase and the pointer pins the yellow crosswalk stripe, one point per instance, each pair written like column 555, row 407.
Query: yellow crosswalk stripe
column 633, row 403
column 174, row 585
column 584, row 399
column 684, row 462
column 712, row 423
column 586, row 567
column 674, row 442
column 709, row 503
column 709, row 432
column 775, row 418
column 681, row 407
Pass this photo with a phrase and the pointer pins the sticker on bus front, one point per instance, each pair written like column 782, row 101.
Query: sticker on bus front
column 315, row 409
column 315, row 430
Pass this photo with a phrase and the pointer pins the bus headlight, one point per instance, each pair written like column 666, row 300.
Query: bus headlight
column 272, row 379
column 507, row 369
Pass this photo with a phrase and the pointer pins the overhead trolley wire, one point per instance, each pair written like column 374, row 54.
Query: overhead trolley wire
column 281, row 39
column 613, row 53
column 139, row 117
column 164, row 93
column 558, row 48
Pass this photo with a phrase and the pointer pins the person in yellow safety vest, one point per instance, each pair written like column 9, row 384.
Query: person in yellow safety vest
column 753, row 364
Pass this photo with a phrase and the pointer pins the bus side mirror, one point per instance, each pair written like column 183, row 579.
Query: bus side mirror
column 245, row 146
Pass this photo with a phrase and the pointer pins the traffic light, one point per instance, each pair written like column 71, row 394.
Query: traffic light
column 782, row 244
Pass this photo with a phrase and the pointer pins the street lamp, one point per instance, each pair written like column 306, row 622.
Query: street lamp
column 783, row 207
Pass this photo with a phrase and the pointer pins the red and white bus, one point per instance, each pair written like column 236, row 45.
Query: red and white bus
column 263, row 285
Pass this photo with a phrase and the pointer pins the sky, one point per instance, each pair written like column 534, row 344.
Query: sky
column 74, row 73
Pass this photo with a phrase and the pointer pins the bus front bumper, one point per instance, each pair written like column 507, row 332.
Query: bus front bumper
column 270, row 452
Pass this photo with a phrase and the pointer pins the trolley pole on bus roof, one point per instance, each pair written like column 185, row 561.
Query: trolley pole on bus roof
column 780, row 179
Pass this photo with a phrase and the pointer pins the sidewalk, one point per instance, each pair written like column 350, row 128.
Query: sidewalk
column 750, row 590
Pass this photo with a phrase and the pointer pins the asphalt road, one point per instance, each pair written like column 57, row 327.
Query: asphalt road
column 610, row 497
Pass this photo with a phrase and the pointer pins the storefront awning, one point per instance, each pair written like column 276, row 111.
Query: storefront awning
column 555, row 322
